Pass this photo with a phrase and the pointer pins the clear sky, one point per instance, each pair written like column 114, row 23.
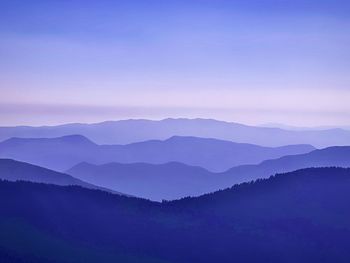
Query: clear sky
column 249, row 61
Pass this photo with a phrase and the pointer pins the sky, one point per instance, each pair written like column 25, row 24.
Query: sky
column 248, row 61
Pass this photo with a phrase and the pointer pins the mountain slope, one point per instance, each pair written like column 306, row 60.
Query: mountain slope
column 301, row 216
column 129, row 131
column 52, row 153
column 328, row 157
column 174, row 180
column 216, row 155
column 12, row 170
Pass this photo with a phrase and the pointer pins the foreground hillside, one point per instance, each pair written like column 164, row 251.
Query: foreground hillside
column 303, row 216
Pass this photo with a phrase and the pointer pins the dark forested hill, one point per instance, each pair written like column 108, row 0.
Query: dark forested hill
column 301, row 216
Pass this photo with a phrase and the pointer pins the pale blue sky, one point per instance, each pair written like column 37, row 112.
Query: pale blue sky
column 247, row 61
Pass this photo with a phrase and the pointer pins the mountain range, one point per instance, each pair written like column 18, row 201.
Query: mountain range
column 215, row 155
column 175, row 180
column 167, row 169
column 129, row 131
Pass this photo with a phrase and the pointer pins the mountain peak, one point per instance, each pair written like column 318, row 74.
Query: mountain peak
column 75, row 138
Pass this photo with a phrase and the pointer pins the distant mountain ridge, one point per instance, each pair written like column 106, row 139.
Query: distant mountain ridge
column 129, row 131
column 215, row 155
column 170, row 181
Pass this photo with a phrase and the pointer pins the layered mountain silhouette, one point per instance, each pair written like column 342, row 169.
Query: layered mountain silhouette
column 12, row 170
column 156, row 182
column 175, row 180
column 215, row 155
column 303, row 216
column 129, row 131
